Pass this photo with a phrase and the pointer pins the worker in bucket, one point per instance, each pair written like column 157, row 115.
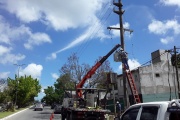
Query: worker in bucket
column 124, row 58
column 118, row 109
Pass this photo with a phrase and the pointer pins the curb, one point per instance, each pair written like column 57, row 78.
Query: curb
column 14, row 114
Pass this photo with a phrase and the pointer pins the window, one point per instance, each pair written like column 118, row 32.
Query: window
column 131, row 114
column 157, row 75
column 149, row 113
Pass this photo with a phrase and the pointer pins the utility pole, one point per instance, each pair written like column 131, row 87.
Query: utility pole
column 17, row 81
column 176, row 67
column 122, row 30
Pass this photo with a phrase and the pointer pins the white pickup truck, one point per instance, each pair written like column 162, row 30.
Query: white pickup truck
column 162, row 110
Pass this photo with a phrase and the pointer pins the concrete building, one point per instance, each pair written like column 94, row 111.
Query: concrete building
column 156, row 81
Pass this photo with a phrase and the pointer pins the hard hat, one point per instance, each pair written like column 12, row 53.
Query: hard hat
column 121, row 49
column 117, row 102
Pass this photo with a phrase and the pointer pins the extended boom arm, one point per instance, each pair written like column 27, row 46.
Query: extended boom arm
column 92, row 70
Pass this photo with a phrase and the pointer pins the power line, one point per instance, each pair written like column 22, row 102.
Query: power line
column 94, row 31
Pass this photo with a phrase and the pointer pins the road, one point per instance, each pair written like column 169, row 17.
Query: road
column 30, row 114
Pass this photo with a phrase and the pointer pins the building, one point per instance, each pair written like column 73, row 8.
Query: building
column 156, row 81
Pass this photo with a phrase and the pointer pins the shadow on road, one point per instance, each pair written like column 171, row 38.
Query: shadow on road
column 45, row 112
column 47, row 116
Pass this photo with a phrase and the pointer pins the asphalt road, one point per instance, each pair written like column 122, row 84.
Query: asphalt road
column 30, row 114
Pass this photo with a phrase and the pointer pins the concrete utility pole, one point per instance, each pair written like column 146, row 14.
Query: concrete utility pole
column 17, row 81
column 122, row 29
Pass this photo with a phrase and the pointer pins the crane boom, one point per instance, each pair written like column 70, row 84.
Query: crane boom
column 93, row 69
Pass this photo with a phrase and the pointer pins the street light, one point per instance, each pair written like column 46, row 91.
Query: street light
column 17, row 82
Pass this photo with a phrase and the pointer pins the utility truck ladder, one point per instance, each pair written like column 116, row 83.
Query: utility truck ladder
column 132, row 86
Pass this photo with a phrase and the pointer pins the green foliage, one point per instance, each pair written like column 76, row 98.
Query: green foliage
column 4, row 96
column 50, row 95
column 56, row 94
column 26, row 87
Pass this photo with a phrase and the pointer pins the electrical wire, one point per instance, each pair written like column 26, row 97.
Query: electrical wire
column 94, row 33
column 153, row 59
column 95, row 30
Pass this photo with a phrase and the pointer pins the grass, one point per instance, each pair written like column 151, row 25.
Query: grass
column 7, row 113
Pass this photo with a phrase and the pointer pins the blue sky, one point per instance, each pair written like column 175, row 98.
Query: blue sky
column 43, row 34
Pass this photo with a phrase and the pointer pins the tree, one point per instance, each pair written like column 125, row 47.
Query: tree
column 4, row 96
column 56, row 94
column 74, row 69
column 76, row 72
column 51, row 96
column 26, row 87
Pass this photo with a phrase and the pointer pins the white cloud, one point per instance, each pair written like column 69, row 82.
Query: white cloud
column 87, row 35
column 159, row 27
column 12, row 58
column 7, row 57
column 171, row 2
column 60, row 15
column 167, row 40
column 9, row 34
column 4, row 50
column 55, row 76
column 4, row 75
column 133, row 64
column 168, row 29
column 52, row 56
column 32, row 69
column 37, row 39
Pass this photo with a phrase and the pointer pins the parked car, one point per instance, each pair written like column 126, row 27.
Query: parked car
column 57, row 109
column 38, row 106
column 161, row 110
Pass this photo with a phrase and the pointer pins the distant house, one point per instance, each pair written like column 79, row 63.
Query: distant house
column 156, row 81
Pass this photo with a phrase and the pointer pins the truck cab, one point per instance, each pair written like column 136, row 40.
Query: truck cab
column 162, row 110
